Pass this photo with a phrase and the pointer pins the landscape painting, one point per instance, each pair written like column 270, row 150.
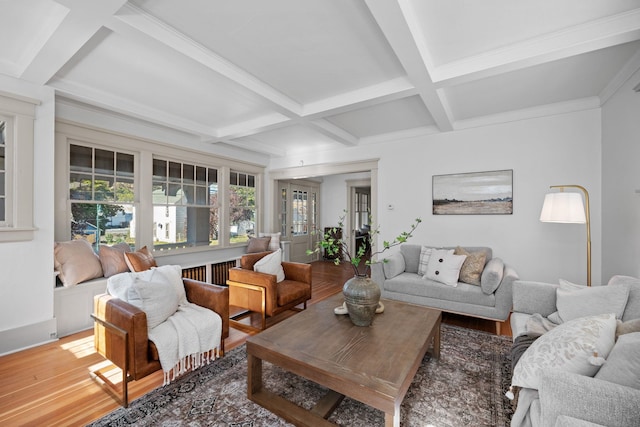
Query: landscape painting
column 477, row 193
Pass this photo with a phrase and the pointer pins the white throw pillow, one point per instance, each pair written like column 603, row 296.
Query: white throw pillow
column 568, row 347
column 157, row 299
column 119, row 285
column 575, row 301
column 271, row 264
column 444, row 267
column 170, row 274
column 274, row 243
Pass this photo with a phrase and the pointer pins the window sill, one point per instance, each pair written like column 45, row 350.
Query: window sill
column 9, row 234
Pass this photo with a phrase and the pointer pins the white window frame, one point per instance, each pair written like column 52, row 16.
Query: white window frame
column 19, row 113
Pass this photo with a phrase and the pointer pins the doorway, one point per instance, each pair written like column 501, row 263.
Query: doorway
column 359, row 202
column 298, row 216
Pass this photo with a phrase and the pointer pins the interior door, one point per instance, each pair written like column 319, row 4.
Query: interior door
column 298, row 218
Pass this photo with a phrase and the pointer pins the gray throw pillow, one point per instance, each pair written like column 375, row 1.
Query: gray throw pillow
column 492, row 275
column 623, row 364
column 393, row 265
column 589, row 301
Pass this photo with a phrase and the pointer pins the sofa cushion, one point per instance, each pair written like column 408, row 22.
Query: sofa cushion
column 568, row 347
column 492, row 275
column 472, row 266
column 112, row 259
column 274, row 242
column 575, row 301
column 415, row 285
column 411, row 254
column 632, row 310
column 76, row 262
column 623, row 364
column 393, row 265
column 444, row 266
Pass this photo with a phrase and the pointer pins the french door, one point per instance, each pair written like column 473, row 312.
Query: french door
column 298, row 218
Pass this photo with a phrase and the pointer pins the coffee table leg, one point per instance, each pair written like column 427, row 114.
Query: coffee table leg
column 436, row 342
column 254, row 375
column 392, row 419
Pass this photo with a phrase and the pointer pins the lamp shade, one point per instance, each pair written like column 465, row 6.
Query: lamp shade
column 563, row 207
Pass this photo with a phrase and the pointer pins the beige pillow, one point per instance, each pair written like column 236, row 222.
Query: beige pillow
column 258, row 244
column 112, row 259
column 140, row 260
column 274, row 243
column 471, row 270
column 76, row 262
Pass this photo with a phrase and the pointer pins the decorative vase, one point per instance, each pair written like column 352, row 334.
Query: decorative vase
column 361, row 295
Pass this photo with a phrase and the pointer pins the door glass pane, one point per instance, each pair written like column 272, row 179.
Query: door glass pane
column 299, row 214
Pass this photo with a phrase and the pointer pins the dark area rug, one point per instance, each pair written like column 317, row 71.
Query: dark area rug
column 465, row 387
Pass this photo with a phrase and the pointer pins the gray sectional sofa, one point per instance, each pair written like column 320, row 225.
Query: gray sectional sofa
column 490, row 298
column 564, row 397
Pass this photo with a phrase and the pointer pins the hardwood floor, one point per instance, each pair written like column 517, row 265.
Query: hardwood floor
column 50, row 384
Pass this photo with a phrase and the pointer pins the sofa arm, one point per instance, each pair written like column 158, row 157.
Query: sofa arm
column 504, row 293
column 534, row 297
column 213, row 297
column 377, row 274
column 130, row 319
column 589, row 399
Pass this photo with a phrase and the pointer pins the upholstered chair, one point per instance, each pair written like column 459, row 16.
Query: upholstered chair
column 121, row 334
column 261, row 292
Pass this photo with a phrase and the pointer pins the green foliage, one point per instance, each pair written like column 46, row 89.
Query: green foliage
column 333, row 247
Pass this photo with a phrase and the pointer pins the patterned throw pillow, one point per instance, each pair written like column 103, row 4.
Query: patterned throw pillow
column 569, row 347
column 425, row 254
column 471, row 270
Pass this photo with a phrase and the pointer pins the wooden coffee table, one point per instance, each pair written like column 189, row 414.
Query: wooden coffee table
column 374, row 365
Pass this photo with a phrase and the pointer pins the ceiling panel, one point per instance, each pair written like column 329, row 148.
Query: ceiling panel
column 568, row 79
column 146, row 72
column 456, row 29
column 394, row 116
column 308, row 50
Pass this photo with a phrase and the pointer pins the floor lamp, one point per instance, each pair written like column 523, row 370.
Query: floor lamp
column 568, row 208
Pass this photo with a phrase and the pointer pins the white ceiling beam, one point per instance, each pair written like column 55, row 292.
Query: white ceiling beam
column 587, row 37
column 251, row 127
column 123, row 106
column 132, row 20
column 369, row 96
column 256, row 146
column 628, row 70
column 84, row 20
column 400, row 27
column 334, row 132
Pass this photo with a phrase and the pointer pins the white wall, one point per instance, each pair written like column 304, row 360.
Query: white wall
column 26, row 281
column 562, row 149
column 621, row 181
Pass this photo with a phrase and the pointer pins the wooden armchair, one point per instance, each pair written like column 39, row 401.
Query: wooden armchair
column 260, row 292
column 120, row 332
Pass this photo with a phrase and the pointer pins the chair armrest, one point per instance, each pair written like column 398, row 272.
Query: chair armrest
column 127, row 317
column 213, row 297
column 589, row 399
column 297, row 271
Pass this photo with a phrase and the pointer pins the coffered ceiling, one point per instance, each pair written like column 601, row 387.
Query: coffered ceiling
column 279, row 77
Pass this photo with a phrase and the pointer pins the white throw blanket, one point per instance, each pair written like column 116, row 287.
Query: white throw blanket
column 187, row 340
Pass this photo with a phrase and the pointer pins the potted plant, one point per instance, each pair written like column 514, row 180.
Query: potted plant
column 361, row 293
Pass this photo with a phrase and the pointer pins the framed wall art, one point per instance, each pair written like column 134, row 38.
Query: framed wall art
column 476, row 193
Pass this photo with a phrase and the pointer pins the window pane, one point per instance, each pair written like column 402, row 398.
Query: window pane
column 2, row 184
column 233, row 178
column 201, row 175
column 2, row 214
column 159, row 193
column 124, row 165
column 175, row 191
column 189, row 194
column 103, row 188
column 242, row 210
column 201, row 196
column 102, row 224
column 104, row 162
column 80, row 187
column 213, row 175
column 159, row 169
column 2, row 156
column 3, row 132
column 175, row 172
column 124, row 190
column 80, row 158
column 251, row 181
column 187, row 173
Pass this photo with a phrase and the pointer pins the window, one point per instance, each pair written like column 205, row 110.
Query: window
column 185, row 205
column 102, row 193
column 242, row 206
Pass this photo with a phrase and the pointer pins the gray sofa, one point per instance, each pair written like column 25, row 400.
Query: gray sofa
column 569, row 399
column 398, row 279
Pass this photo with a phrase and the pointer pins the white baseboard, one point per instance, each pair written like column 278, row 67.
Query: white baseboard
column 17, row 339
